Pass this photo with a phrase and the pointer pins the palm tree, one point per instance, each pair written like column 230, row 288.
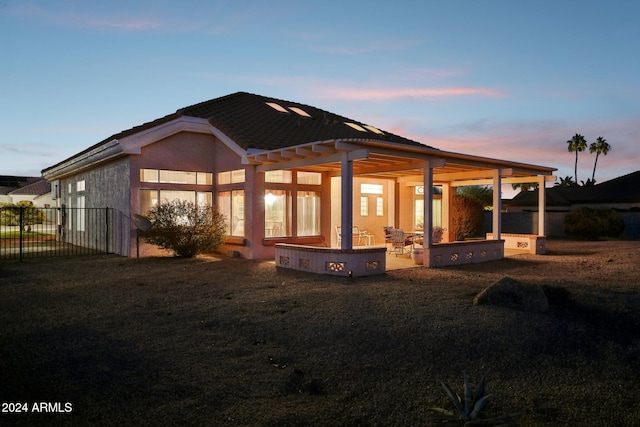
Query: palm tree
column 526, row 186
column 577, row 144
column 565, row 182
column 598, row 147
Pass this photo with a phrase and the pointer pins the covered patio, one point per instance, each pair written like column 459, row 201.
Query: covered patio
column 405, row 170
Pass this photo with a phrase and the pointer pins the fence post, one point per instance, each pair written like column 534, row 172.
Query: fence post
column 21, row 228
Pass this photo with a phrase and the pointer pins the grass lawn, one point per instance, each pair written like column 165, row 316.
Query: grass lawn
column 228, row 341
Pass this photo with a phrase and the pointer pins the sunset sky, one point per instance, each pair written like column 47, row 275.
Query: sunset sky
column 507, row 79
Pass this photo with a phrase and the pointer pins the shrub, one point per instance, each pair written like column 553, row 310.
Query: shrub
column 10, row 214
column 466, row 216
column 185, row 228
column 593, row 224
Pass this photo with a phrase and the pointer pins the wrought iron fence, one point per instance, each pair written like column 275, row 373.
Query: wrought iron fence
column 29, row 232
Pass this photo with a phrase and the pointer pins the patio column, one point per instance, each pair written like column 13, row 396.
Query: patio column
column 346, row 202
column 428, row 205
column 542, row 207
column 496, row 229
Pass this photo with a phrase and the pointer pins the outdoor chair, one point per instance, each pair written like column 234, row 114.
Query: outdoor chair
column 400, row 241
column 357, row 235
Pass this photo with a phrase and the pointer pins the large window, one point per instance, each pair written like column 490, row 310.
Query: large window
column 280, row 176
column 175, row 177
column 231, row 205
column 277, row 213
column 308, row 215
column 231, row 177
column 149, row 198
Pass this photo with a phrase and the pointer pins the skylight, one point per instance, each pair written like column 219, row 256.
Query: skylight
column 374, row 129
column 299, row 111
column 355, row 126
column 277, row 107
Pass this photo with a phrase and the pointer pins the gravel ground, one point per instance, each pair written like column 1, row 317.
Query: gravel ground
column 227, row 341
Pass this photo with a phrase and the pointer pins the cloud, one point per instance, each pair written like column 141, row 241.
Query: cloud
column 399, row 93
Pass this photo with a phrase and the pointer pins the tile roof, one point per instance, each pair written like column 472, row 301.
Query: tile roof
column 252, row 124
column 38, row 188
column 9, row 183
column 624, row 189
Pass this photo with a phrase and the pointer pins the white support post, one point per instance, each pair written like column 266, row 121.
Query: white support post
column 542, row 207
column 428, row 205
column 346, row 203
column 496, row 229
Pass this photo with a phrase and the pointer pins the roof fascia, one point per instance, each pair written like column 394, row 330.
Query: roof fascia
column 133, row 144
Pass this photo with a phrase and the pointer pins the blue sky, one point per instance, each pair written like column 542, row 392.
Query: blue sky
column 507, row 79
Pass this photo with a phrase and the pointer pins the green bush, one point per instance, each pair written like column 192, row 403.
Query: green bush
column 10, row 214
column 593, row 224
column 185, row 228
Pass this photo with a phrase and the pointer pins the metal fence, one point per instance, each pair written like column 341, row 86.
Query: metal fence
column 29, row 232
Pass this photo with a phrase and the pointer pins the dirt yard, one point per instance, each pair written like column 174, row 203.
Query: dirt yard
column 105, row 340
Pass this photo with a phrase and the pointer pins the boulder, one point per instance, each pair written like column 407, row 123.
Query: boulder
column 510, row 293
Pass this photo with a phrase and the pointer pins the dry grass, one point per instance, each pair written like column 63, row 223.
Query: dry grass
column 164, row 341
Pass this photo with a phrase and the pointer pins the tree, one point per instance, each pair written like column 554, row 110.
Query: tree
column 599, row 147
column 185, row 228
column 525, row 186
column 576, row 144
column 466, row 216
column 567, row 181
column 481, row 193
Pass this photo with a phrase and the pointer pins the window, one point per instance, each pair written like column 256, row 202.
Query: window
column 276, row 213
column 149, row 198
column 364, row 206
column 231, row 205
column 371, row 188
column 80, row 212
column 379, row 206
column 231, row 177
column 311, row 178
column 308, row 215
column 175, row 177
column 281, row 176
column 80, row 185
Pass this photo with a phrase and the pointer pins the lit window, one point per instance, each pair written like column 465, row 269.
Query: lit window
column 277, row 107
column 379, row 206
column 311, row 178
column 177, row 177
column 149, row 175
column 300, row 111
column 231, row 177
column 371, row 188
column 364, row 206
column 204, row 178
column 231, row 204
column 355, row 126
column 308, row 216
column 277, row 208
column 281, row 176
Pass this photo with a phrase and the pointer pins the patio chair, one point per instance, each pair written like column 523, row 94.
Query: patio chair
column 400, row 241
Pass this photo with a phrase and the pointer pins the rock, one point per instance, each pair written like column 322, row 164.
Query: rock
column 510, row 293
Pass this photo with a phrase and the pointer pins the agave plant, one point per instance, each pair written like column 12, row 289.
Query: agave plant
column 468, row 406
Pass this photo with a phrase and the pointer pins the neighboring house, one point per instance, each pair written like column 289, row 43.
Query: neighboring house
column 280, row 172
column 38, row 192
column 622, row 193
column 14, row 189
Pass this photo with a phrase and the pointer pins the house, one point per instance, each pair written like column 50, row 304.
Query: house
column 621, row 194
column 9, row 184
column 38, row 193
column 286, row 176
